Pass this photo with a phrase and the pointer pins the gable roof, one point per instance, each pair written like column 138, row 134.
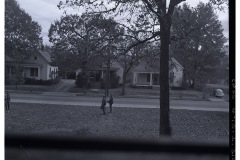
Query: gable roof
column 45, row 55
column 177, row 63
column 144, row 66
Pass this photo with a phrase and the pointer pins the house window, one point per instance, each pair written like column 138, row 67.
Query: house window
column 34, row 72
column 148, row 77
column 35, row 57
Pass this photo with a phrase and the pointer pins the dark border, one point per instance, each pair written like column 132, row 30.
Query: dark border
column 63, row 143
column 232, row 38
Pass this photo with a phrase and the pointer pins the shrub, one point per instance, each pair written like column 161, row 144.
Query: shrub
column 81, row 80
column 114, row 81
column 102, row 83
column 33, row 81
column 178, row 88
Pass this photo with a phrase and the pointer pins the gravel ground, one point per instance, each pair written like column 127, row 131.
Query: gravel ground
column 122, row 123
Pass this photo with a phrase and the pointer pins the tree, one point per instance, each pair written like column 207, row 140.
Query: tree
column 199, row 41
column 155, row 19
column 79, row 41
column 130, row 58
column 161, row 16
column 22, row 35
column 47, row 48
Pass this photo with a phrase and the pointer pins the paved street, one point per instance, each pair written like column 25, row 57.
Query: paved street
column 64, row 85
column 71, row 99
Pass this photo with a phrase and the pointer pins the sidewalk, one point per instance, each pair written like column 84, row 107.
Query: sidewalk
column 94, row 94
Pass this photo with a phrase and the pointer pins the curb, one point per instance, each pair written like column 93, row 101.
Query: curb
column 143, row 96
column 118, row 96
column 24, row 92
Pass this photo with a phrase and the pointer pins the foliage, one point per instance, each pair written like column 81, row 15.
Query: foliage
column 114, row 80
column 198, row 41
column 149, row 20
column 32, row 81
column 22, row 34
column 79, row 41
column 130, row 58
column 154, row 19
column 82, row 80
column 219, row 4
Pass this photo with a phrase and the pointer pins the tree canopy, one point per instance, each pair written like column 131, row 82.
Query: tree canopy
column 22, row 34
column 81, row 40
column 198, row 40
column 151, row 20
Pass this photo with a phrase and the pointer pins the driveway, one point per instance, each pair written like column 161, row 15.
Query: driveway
column 64, row 85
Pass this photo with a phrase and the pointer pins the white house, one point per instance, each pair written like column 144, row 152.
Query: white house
column 37, row 66
column 147, row 74
column 144, row 74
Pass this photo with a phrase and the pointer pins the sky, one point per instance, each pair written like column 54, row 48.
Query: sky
column 46, row 12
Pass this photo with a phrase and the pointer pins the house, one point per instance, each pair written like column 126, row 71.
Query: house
column 37, row 66
column 115, row 67
column 144, row 74
column 147, row 73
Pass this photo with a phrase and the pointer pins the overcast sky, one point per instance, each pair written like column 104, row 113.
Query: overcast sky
column 46, row 11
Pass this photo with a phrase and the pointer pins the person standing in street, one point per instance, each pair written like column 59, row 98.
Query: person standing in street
column 103, row 104
column 7, row 101
column 110, row 101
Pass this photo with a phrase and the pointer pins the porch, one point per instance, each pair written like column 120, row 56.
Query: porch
column 146, row 79
column 13, row 72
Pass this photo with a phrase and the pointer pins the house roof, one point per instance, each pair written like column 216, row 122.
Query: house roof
column 45, row 55
column 177, row 63
column 152, row 66
column 143, row 66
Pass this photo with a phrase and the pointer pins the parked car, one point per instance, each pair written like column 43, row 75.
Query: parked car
column 218, row 93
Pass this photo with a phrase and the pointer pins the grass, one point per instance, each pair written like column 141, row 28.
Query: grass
column 122, row 123
column 30, row 88
column 143, row 92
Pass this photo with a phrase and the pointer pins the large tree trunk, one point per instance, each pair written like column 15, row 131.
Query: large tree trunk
column 165, row 128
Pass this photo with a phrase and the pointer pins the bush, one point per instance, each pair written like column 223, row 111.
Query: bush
column 199, row 87
column 56, row 80
column 102, row 83
column 178, row 88
column 81, row 80
column 114, row 81
column 33, row 81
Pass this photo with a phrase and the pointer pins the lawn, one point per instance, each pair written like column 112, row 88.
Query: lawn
column 30, row 88
column 122, row 123
column 185, row 94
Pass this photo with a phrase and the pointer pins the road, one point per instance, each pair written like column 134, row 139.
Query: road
column 64, row 85
column 72, row 99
